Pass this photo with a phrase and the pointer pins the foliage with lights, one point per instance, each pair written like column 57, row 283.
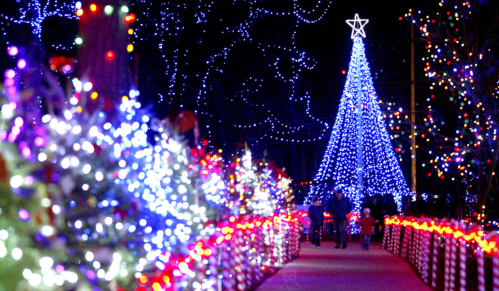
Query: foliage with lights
column 359, row 157
column 460, row 129
column 96, row 206
column 106, row 197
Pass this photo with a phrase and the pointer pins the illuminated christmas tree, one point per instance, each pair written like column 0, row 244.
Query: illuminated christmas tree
column 244, row 184
column 359, row 157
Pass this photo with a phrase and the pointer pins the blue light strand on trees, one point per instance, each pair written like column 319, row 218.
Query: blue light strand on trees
column 381, row 171
column 172, row 25
column 35, row 12
column 271, row 125
column 280, row 131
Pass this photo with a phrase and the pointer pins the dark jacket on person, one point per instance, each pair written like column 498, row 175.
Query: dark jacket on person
column 339, row 208
column 316, row 213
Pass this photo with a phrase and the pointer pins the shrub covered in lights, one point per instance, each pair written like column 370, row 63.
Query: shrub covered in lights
column 103, row 201
column 23, row 215
column 93, row 227
column 115, row 207
column 117, row 204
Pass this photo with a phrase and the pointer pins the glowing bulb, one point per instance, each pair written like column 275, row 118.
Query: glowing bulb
column 99, row 176
column 47, row 230
column 10, row 74
column 46, row 262
column 68, row 115
column 86, row 169
column 88, row 86
column 35, row 280
column 108, row 9
column 16, row 181
column 17, row 254
column 77, row 84
column 12, row 51
column 65, row 163
column 21, row 64
column 42, row 157
column 23, row 214
column 7, row 111
column 110, row 55
column 89, row 256
column 130, row 18
column 76, row 129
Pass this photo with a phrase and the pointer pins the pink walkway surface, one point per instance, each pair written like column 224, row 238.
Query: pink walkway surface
column 348, row 269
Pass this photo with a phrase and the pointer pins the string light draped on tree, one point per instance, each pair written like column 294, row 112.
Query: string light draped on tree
column 202, row 51
column 359, row 157
column 34, row 13
column 460, row 129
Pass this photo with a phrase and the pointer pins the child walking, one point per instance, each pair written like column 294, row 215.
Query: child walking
column 366, row 223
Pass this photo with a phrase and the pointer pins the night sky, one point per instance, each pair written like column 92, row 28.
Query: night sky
column 172, row 67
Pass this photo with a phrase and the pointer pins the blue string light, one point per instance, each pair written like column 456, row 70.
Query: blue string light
column 35, row 12
column 169, row 29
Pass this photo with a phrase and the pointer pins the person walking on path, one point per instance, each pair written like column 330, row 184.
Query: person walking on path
column 366, row 223
column 316, row 215
column 339, row 207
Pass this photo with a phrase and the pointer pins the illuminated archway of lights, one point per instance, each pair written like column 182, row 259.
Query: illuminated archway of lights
column 249, row 92
column 34, row 12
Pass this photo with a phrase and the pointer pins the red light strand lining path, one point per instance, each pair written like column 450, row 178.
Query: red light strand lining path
column 474, row 233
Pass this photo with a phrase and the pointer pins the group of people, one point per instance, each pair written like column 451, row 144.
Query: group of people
column 340, row 206
column 373, row 208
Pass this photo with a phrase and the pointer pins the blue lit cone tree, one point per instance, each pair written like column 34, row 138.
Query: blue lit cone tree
column 359, row 157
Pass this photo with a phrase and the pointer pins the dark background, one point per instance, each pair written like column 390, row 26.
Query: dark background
column 172, row 62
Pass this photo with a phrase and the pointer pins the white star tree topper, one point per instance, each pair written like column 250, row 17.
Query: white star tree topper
column 358, row 26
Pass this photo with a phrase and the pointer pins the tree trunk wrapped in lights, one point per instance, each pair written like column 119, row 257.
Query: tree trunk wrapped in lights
column 102, row 54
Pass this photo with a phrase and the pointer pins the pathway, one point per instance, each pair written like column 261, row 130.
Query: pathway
column 351, row 269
